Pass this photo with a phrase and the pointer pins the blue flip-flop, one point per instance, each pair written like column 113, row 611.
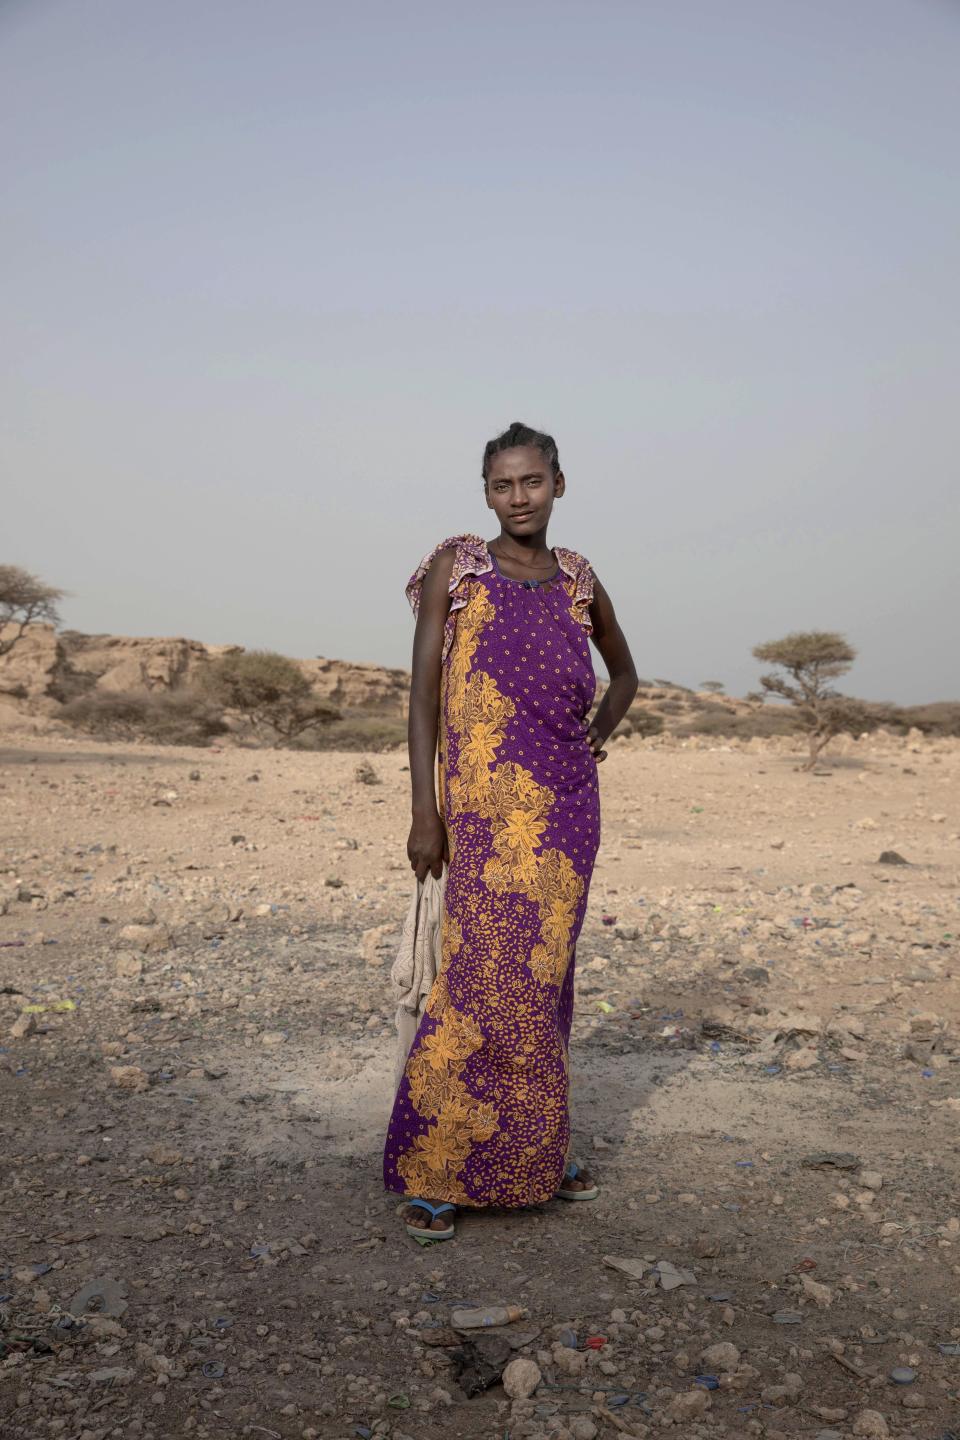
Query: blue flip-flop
column 571, row 1173
column 427, row 1237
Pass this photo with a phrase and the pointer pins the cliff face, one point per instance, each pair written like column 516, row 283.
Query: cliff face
column 45, row 669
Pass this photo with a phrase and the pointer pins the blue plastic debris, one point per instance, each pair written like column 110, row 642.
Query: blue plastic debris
column 709, row 1382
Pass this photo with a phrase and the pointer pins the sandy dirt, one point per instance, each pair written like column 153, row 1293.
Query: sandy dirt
column 196, row 1111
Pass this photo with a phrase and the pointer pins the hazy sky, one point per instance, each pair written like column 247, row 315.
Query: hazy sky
column 273, row 271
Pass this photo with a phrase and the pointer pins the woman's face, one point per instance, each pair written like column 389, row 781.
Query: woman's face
column 521, row 488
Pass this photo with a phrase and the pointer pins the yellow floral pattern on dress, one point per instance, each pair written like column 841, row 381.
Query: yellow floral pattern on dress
column 516, row 809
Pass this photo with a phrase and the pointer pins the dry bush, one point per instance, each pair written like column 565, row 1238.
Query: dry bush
column 942, row 717
column 640, row 722
column 771, row 720
column 24, row 600
column 811, row 660
column 374, row 733
column 177, row 717
column 270, row 692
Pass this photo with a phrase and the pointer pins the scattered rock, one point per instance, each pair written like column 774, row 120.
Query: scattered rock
column 636, row 1269
column 671, row 1277
column 891, row 857
column 148, row 938
column 129, row 1077
column 722, row 1357
column 871, row 1423
column 690, row 1405
column 128, row 967
column 23, row 1026
column 102, row 1296
column 821, row 1295
column 521, row 1378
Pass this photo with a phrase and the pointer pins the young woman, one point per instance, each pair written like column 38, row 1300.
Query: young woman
column 502, row 676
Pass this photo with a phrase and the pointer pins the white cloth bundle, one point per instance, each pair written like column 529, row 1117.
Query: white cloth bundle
column 418, row 960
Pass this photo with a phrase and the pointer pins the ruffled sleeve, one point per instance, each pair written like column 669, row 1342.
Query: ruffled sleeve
column 471, row 558
column 579, row 584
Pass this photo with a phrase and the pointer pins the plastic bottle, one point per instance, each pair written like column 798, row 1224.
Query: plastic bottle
column 488, row 1315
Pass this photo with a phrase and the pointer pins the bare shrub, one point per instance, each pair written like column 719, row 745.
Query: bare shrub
column 732, row 725
column 642, row 722
column 24, row 600
column 271, row 693
column 175, row 717
column 810, row 660
column 373, row 733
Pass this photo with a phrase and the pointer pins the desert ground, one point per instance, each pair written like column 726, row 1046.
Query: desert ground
column 196, row 1060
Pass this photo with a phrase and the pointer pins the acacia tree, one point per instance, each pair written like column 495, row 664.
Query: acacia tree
column 24, row 600
column 713, row 687
column 811, row 660
column 270, row 692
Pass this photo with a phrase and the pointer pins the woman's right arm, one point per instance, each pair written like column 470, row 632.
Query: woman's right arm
column 427, row 846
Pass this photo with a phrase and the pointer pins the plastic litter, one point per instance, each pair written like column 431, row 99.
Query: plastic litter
column 903, row 1375
column 952, row 1348
column 212, row 1370
column 788, row 1317
column 709, row 1382
column 569, row 1339
column 399, row 1402
column 595, row 1342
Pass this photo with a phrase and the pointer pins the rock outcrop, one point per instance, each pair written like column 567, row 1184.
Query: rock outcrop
column 46, row 669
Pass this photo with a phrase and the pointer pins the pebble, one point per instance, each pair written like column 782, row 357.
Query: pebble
column 690, row 1404
column 871, row 1423
column 521, row 1378
column 722, row 1357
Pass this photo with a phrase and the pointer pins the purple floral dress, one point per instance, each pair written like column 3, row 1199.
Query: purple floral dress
column 481, row 1116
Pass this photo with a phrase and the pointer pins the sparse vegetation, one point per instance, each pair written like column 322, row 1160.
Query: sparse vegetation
column 811, row 660
column 167, row 717
column 24, row 600
column 713, row 687
column 357, row 731
column 271, row 693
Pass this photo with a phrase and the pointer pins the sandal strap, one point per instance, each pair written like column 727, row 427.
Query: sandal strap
column 434, row 1210
column 572, row 1171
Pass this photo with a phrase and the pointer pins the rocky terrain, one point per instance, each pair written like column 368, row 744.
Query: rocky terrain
column 196, row 1051
column 48, row 667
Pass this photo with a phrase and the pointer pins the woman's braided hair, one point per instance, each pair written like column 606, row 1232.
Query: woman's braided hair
column 520, row 434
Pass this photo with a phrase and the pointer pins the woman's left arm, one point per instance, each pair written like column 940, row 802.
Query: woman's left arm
column 612, row 644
